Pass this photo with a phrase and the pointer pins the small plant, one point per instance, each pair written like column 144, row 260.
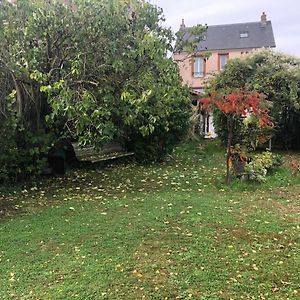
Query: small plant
column 258, row 168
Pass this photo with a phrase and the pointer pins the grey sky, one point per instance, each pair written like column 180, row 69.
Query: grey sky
column 284, row 14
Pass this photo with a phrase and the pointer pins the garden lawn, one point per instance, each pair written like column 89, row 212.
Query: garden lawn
column 168, row 231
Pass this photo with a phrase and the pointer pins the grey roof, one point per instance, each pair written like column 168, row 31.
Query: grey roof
column 219, row 37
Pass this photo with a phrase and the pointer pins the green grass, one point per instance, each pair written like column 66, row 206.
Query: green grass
column 169, row 231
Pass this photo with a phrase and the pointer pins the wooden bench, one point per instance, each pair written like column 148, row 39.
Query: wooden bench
column 110, row 151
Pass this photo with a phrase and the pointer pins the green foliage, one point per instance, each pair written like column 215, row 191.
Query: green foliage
column 196, row 34
column 253, row 134
column 220, row 124
column 22, row 153
column 92, row 72
column 278, row 77
column 156, row 120
column 135, row 94
column 260, row 164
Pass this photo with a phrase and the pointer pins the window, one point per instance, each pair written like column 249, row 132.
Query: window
column 199, row 64
column 199, row 90
column 223, row 58
column 244, row 34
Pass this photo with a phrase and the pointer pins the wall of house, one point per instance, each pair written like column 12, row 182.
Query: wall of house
column 185, row 63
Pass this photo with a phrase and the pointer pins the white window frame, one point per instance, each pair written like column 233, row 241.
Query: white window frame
column 244, row 34
column 199, row 67
column 223, row 55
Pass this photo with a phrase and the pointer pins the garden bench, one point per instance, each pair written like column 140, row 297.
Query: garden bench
column 110, row 151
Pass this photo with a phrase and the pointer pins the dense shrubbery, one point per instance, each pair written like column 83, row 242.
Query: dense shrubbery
column 278, row 77
column 155, row 122
column 260, row 164
column 92, row 72
column 22, row 154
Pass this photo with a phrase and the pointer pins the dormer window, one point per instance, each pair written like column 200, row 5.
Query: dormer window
column 244, row 34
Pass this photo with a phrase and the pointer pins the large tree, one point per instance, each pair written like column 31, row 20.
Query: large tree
column 92, row 71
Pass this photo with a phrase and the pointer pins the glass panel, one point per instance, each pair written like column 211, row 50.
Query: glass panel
column 200, row 90
column 223, row 60
column 243, row 34
column 198, row 67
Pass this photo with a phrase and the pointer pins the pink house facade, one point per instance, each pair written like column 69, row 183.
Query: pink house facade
column 211, row 65
column 222, row 42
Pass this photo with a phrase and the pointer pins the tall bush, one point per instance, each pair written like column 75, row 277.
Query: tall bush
column 277, row 76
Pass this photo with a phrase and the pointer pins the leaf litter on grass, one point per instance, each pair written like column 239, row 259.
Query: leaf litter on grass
column 168, row 231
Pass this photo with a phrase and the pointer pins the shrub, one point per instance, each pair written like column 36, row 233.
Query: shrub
column 22, row 154
column 169, row 115
column 277, row 76
column 260, row 164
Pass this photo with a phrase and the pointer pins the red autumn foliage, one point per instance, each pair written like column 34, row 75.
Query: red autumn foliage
column 239, row 104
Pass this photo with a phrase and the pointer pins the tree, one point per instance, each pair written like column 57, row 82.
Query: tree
column 234, row 106
column 92, row 72
column 187, row 41
column 122, row 68
column 277, row 76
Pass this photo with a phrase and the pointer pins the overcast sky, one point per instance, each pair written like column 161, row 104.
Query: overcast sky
column 284, row 14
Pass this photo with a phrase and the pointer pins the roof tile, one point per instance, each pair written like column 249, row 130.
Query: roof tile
column 223, row 37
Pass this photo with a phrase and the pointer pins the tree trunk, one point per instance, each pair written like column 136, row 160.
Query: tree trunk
column 19, row 96
column 229, row 142
column 36, row 96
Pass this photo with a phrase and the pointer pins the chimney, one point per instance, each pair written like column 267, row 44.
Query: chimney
column 263, row 19
column 182, row 25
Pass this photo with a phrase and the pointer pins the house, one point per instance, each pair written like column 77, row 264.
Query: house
column 222, row 42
